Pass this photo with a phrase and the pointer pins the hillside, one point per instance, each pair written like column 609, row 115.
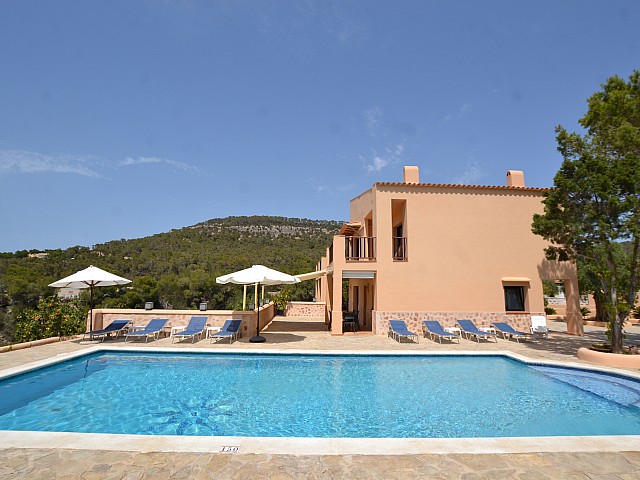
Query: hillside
column 176, row 269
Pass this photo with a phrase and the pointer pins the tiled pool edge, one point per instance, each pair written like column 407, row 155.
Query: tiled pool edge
column 62, row 357
column 313, row 446
column 318, row 446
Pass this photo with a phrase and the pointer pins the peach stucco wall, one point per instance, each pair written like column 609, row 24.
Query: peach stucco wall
column 464, row 244
column 461, row 244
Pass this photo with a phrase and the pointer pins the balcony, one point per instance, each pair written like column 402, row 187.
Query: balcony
column 360, row 249
column 400, row 249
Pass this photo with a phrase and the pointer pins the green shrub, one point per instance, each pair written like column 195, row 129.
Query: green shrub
column 53, row 317
column 281, row 300
column 550, row 310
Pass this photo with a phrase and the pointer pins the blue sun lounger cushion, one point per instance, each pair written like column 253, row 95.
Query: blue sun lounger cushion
column 507, row 330
column 195, row 328
column 114, row 327
column 152, row 329
column 230, row 330
column 434, row 329
column 398, row 329
column 469, row 328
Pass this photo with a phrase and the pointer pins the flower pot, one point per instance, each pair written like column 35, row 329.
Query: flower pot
column 601, row 348
column 609, row 359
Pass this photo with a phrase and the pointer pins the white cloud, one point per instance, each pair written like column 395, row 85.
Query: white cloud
column 391, row 156
column 346, row 187
column 27, row 162
column 463, row 110
column 378, row 164
column 330, row 189
column 22, row 161
column 322, row 188
column 138, row 161
column 471, row 175
column 129, row 161
column 372, row 119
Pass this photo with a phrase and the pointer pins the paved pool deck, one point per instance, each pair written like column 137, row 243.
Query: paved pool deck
column 37, row 459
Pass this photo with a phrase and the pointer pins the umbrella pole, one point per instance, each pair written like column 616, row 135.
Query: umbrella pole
column 244, row 299
column 258, row 338
column 91, row 309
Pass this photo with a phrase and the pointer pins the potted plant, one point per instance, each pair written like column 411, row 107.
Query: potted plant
column 280, row 302
column 547, row 309
column 281, row 305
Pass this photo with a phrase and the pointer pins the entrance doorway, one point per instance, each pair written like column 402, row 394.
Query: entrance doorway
column 359, row 303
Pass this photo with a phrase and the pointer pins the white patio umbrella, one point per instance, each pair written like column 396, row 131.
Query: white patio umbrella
column 88, row 278
column 257, row 274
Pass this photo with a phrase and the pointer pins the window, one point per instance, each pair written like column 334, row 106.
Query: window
column 399, row 229
column 514, row 299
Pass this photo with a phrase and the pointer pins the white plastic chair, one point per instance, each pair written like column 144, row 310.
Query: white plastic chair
column 539, row 325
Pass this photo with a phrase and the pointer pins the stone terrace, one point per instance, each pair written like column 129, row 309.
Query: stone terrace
column 311, row 334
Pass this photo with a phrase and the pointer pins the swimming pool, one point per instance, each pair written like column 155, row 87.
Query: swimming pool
column 343, row 396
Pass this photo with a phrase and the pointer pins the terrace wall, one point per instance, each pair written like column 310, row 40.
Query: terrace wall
column 521, row 322
column 305, row 309
column 215, row 318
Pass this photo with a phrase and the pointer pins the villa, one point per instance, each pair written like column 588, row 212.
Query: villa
column 420, row 251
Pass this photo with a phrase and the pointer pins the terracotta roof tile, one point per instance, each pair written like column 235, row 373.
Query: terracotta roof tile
column 453, row 185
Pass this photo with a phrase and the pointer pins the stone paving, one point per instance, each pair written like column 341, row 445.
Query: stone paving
column 87, row 464
column 309, row 334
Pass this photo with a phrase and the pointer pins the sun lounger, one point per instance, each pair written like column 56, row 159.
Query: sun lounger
column 469, row 328
column 508, row 331
column 539, row 326
column 434, row 329
column 195, row 328
column 153, row 329
column 398, row 329
column 114, row 327
column 230, row 330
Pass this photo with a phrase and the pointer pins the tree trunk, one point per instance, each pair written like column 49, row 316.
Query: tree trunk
column 616, row 343
column 631, row 293
column 615, row 325
column 618, row 319
column 602, row 313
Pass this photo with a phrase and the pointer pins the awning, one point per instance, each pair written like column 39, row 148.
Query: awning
column 311, row 275
column 349, row 229
column 358, row 274
column 516, row 279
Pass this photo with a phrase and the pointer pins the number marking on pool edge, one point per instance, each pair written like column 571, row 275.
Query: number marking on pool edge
column 229, row 449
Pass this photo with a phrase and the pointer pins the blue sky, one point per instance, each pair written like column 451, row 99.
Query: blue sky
column 121, row 119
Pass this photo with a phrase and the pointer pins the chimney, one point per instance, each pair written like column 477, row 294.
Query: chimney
column 411, row 175
column 515, row 178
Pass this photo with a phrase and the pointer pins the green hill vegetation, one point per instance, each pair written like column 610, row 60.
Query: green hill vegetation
column 176, row 269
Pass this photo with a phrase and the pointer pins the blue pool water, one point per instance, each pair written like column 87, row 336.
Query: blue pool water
column 318, row 396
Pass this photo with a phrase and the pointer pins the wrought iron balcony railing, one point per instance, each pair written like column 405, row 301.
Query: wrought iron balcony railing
column 400, row 248
column 360, row 248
